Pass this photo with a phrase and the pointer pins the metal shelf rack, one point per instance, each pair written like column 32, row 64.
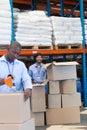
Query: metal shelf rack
column 63, row 4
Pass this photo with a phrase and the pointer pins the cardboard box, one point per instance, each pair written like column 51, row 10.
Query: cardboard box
column 54, row 116
column 54, row 87
column 38, row 99
column 68, row 86
column 39, row 118
column 13, row 108
column 60, row 116
column 28, row 125
column 54, row 101
column 71, row 100
column 71, row 115
column 61, row 71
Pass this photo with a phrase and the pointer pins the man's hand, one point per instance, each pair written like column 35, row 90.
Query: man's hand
column 27, row 94
column 1, row 81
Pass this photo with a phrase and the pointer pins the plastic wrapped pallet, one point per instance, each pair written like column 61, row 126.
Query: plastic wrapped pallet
column 86, row 30
column 34, row 28
column 5, row 22
column 16, row 11
column 66, row 27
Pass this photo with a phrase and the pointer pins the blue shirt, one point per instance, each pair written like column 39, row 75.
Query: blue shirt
column 21, row 79
column 37, row 73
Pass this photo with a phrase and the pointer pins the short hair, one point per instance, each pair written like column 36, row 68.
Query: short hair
column 15, row 44
column 38, row 54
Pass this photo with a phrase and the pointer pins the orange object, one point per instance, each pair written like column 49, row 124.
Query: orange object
column 8, row 82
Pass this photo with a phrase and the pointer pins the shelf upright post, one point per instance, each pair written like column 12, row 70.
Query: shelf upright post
column 50, row 59
column 62, row 7
column 12, row 22
column 62, row 15
column 64, row 58
column 84, row 54
column 33, row 5
column 48, row 8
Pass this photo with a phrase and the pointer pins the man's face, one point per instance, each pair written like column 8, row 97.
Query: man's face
column 13, row 53
column 39, row 59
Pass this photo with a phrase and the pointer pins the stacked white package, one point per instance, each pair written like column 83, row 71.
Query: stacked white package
column 34, row 28
column 86, row 30
column 16, row 11
column 5, row 22
column 66, row 30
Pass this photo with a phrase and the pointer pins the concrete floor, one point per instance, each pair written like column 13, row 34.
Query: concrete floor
column 81, row 126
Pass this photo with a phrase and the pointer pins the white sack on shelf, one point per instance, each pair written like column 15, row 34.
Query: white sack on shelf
column 4, row 13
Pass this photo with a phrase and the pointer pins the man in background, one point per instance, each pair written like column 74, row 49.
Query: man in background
column 37, row 71
column 13, row 73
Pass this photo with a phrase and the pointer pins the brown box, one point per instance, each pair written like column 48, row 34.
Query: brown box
column 71, row 115
column 63, row 116
column 38, row 99
column 68, row 86
column 54, row 87
column 54, row 116
column 28, row 125
column 13, row 108
column 39, row 118
column 71, row 100
column 61, row 71
column 54, row 101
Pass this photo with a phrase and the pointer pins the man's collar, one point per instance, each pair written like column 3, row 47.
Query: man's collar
column 3, row 58
column 37, row 65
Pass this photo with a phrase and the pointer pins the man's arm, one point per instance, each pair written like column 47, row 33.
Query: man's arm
column 27, row 93
column 45, row 75
column 30, row 73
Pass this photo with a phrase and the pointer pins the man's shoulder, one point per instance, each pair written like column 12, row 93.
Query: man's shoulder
column 32, row 66
column 19, row 62
column 2, row 58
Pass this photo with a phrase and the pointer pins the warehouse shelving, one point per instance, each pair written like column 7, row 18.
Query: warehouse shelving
column 26, row 52
column 27, row 2
column 54, row 7
column 63, row 5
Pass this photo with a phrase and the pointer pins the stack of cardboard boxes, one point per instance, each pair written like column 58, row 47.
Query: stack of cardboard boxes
column 63, row 100
column 38, row 104
column 15, row 112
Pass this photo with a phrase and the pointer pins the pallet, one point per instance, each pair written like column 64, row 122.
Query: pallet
column 68, row 46
column 38, row 47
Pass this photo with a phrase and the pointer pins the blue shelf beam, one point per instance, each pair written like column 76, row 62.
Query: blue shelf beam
column 72, row 11
column 33, row 6
column 51, row 59
column 12, row 22
column 62, row 7
column 84, row 55
column 48, row 8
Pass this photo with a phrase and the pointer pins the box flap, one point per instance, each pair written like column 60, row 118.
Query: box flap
column 60, row 64
column 65, row 63
column 41, row 85
column 47, row 65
